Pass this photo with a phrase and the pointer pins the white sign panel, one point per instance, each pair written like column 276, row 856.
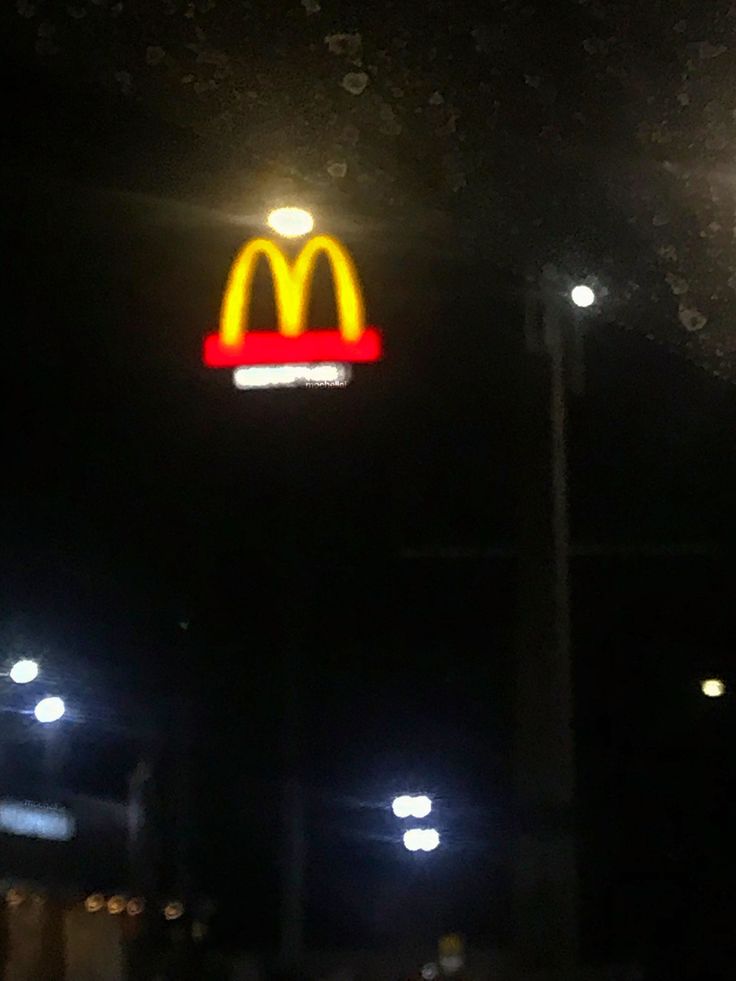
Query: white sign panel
column 36, row 821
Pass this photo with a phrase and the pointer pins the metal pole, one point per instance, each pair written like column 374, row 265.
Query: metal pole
column 545, row 875
column 293, row 857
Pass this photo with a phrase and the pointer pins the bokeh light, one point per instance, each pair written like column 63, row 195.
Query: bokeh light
column 713, row 687
column 24, row 671
column 290, row 222
column 50, row 709
column 582, row 296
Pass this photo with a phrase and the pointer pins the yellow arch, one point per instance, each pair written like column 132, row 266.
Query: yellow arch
column 292, row 288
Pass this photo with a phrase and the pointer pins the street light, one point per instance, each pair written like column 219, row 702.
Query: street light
column 582, row 296
column 421, row 839
column 290, row 222
column 713, row 687
column 407, row 806
column 50, row 709
column 24, row 671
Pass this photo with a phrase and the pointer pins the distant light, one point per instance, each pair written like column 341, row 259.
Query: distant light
column 31, row 820
column 407, row 806
column 320, row 375
column 116, row 905
column 582, row 296
column 174, row 910
column 15, row 897
column 422, row 807
column 50, row 709
column 290, row 222
column 402, row 806
column 421, row 839
column 713, row 687
column 94, row 903
column 136, row 906
column 430, row 972
column 24, row 671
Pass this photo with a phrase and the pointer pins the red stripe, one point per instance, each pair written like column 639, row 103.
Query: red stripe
column 270, row 347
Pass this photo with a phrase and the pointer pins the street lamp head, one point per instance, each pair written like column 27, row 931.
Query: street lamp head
column 24, row 671
column 421, row 839
column 290, row 222
column 582, row 296
column 407, row 806
column 713, row 687
column 50, row 709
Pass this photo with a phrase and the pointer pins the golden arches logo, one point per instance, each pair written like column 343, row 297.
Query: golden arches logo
column 292, row 286
column 236, row 344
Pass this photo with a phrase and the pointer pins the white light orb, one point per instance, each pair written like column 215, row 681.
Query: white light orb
column 290, row 222
column 713, row 687
column 421, row 839
column 582, row 296
column 24, row 671
column 421, row 806
column 402, row 806
column 50, row 709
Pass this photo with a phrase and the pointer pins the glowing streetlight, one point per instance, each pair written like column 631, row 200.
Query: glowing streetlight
column 24, row 671
column 421, row 839
column 582, row 296
column 407, row 806
column 713, row 687
column 50, row 709
column 290, row 222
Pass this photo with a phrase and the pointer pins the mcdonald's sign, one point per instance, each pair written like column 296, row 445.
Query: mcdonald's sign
column 293, row 354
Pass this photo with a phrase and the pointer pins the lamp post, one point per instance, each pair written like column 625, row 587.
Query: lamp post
column 545, row 886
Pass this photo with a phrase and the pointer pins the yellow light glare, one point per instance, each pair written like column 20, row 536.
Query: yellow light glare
column 174, row 910
column 713, row 687
column 14, row 897
column 290, row 222
column 94, row 903
column 116, row 905
column 292, row 288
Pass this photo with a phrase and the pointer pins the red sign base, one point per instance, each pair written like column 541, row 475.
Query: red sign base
column 270, row 347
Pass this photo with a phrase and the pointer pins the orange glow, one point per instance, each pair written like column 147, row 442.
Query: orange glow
column 235, row 345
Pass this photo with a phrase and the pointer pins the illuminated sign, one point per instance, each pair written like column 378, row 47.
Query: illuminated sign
column 36, row 821
column 293, row 345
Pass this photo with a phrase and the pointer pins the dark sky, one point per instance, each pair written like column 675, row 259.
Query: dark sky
column 141, row 491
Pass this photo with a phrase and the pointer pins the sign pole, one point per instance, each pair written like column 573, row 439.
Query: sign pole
column 545, row 873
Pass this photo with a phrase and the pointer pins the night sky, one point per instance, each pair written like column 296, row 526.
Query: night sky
column 165, row 535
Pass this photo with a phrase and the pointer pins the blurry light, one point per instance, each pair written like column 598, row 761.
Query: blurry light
column 174, row 910
column 94, row 903
column 421, row 839
column 24, row 671
column 422, row 807
column 402, row 806
column 406, row 806
column 50, row 709
column 713, row 687
column 290, row 222
column 582, row 296
column 14, row 897
column 36, row 820
column 136, row 906
column 430, row 972
column 320, row 375
column 452, row 963
column 116, row 905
